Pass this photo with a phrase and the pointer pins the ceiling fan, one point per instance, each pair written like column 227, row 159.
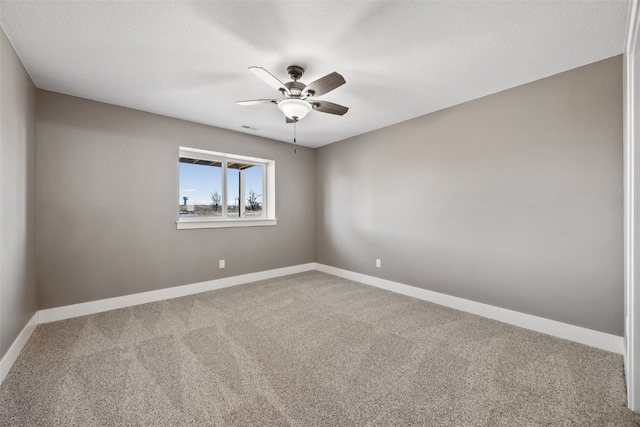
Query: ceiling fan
column 299, row 98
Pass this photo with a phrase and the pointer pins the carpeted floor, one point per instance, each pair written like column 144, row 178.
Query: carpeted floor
column 307, row 350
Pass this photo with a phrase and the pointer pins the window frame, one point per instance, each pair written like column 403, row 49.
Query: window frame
column 268, row 216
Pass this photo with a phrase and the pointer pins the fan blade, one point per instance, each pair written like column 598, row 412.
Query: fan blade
column 324, row 84
column 329, row 107
column 257, row 102
column 269, row 79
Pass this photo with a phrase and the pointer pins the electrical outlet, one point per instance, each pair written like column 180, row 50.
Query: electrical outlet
column 378, row 263
column 221, row 263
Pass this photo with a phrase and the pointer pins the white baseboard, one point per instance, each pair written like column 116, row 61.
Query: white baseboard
column 589, row 337
column 14, row 351
column 601, row 340
column 83, row 309
column 76, row 310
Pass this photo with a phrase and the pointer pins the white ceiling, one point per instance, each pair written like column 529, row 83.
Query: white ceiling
column 401, row 59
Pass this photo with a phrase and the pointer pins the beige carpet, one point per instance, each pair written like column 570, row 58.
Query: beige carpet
column 307, row 350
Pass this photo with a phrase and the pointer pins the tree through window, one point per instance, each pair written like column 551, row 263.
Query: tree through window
column 219, row 186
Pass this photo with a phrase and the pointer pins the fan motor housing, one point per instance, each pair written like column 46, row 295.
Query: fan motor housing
column 295, row 87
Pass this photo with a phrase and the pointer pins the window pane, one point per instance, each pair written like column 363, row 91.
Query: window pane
column 233, row 192
column 253, row 190
column 200, row 188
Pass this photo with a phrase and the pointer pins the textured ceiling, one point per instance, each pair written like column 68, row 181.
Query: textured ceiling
column 400, row 59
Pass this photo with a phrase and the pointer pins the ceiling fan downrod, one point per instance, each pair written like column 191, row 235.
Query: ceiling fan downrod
column 295, row 72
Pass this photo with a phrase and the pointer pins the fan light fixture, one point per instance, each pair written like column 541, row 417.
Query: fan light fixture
column 295, row 109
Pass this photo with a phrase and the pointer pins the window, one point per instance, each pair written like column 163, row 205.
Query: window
column 224, row 190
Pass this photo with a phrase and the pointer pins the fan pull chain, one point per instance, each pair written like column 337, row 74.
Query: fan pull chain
column 294, row 136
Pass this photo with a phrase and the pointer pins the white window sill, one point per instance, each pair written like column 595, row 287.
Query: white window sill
column 188, row 224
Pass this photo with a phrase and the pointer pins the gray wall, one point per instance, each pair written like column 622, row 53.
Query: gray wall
column 17, row 196
column 513, row 200
column 107, row 197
